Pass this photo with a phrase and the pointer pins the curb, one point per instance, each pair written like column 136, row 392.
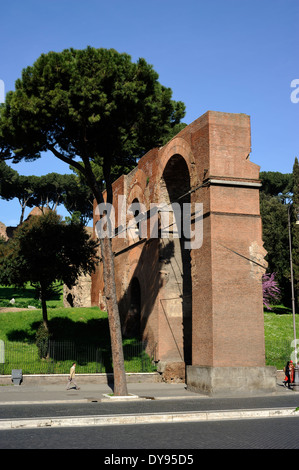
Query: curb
column 106, row 398
column 109, row 420
column 94, row 378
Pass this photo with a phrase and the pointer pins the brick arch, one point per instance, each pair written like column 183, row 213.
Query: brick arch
column 149, row 298
column 178, row 146
column 137, row 192
column 131, row 323
column 136, row 273
column 176, row 295
column 225, row 291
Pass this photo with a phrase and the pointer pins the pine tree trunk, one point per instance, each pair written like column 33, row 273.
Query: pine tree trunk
column 120, row 385
column 44, row 309
column 22, row 214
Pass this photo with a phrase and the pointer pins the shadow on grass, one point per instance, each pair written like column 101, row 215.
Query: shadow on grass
column 94, row 331
column 73, row 340
column 280, row 310
column 22, row 297
column 26, row 295
column 83, row 342
column 7, row 293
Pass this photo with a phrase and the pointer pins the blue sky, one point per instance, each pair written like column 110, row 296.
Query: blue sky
column 237, row 56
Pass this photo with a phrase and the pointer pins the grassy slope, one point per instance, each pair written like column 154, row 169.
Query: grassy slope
column 85, row 324
column 77, row 325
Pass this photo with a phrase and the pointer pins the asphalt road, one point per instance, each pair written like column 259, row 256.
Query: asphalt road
column 146, row 406
column 138, row 439
column 174, row 439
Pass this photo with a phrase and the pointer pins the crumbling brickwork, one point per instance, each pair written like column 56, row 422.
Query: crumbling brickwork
column 3, row 233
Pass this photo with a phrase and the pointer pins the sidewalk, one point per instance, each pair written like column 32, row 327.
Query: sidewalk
column 57, row 393
column 148, row 403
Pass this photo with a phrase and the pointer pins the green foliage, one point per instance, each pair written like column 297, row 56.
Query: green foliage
column 28, row 295
column 280, row 191
column 20, row 303
column 43, row 251
column 46, row 191
column 275, row 236
column 74, row 219
column 13, row 185
column 95, row 104
column 295, row 228
column 89, row 107
column 78, row 200
column 276, row 183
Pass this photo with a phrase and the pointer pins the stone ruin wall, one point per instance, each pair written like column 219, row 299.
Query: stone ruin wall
column 6, row 232
column 80, row 294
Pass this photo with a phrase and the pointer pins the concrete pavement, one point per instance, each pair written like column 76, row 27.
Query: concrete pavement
column 147, row 403
column 57, row 393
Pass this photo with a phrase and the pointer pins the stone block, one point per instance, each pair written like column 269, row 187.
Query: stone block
column 231, row 381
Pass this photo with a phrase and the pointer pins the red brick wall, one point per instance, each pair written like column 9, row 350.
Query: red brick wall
column 227, row 312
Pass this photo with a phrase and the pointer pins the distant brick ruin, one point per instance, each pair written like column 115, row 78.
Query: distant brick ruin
column 6, row 232
column 201, row 310
column 80, row 294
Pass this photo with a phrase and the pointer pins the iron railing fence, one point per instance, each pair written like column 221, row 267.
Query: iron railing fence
column 93, row 359
column 61, row 354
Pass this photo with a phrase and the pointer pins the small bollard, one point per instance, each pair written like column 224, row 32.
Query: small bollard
column 295, row 384
column 16, row 376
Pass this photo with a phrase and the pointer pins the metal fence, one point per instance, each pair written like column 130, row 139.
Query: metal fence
column 92, row 359
column 61, row 354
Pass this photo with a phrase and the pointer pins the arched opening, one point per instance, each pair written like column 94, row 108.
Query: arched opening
column 70, row 300
column 175, row 190
column 134, row 227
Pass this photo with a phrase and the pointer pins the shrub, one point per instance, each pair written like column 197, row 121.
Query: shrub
column 42, row 341
column 271, row 291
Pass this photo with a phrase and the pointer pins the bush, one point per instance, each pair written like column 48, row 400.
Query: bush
column 42, row 341
column 20, row 303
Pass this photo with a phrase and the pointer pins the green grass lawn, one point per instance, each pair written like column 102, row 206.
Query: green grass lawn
column 27, row 296
column 70, row 324
column 279, row 334
column 86, row 328
column 90, row 325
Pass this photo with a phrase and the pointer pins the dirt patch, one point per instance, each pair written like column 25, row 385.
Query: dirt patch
column 12, row 309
